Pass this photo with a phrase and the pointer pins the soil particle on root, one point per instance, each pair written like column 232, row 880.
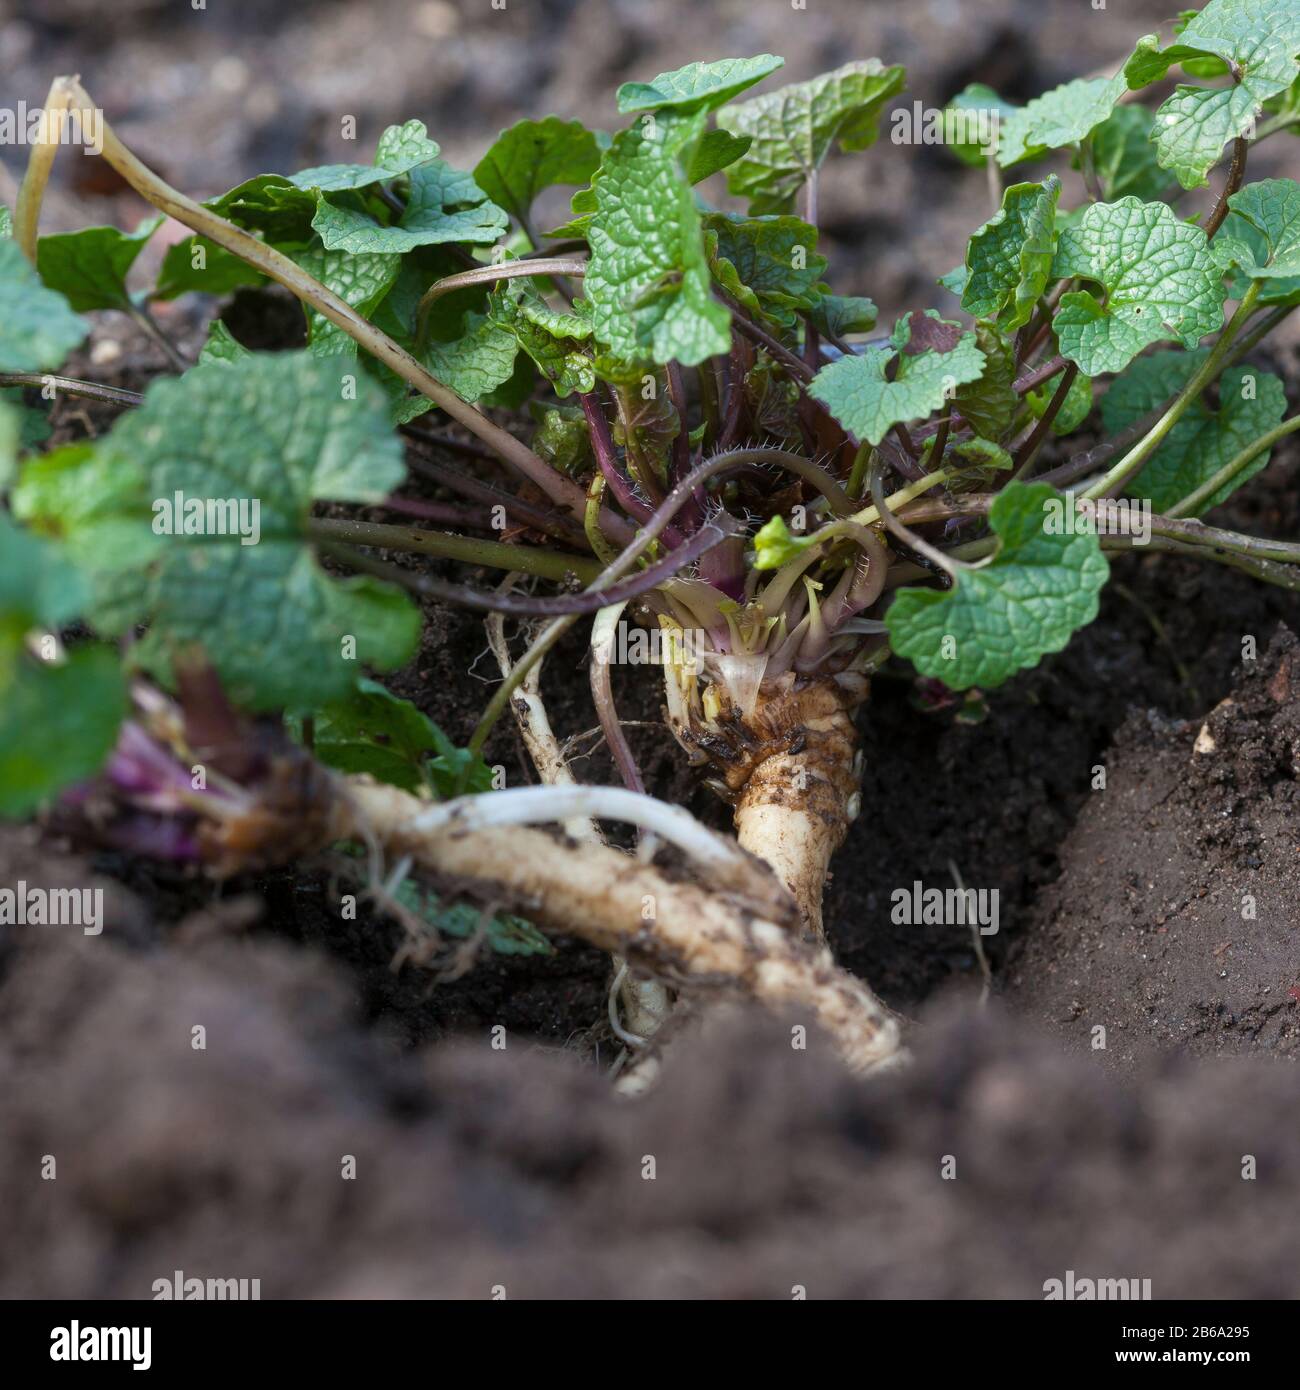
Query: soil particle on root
column 1175, row 923
column 756, row 1168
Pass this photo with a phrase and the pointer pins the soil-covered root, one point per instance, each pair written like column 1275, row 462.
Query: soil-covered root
column 692, row 936
column 790, row 768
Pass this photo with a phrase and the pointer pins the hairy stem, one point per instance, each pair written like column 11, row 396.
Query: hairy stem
column 1236, row 173
column 1039, row 375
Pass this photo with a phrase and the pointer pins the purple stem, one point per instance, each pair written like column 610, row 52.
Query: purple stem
column 444, row 513
column 602, row 443
column 724, row 567
column 526, row 606
column 553, row 523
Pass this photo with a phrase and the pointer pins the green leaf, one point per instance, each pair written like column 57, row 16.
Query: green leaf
column 361, row 281
column 1010, row 257
column 221, row 345
column 275, row 430
column 444, row 205
column 503, row 933
column 374, row 731
column 1074, row 409
column 1005, row 616
column 1271, row 209
column 33, row 424
column 57, row 726
column 1259, row 39
column 401, row 149
column 956, row 280
column 532, row 156
column 648, row 279
column 715, row 150
column 971, row 122
column 214, row 271
column 477, row 360
column 1064, row 116
column 559, row 343
column 96, row 507
column 89, row 267
column 769, row 264
column 58, row 722
column 563, row 439
column 1125, row 159
column 989, row 403
column 697, row 86
column 269, row 204
column 1251, row 403
column 1160, row 281
column 839, row 315
column 794, row 128
column 6, row 222
column 936, row 359
column 456, row 771
column 1245, row 241
column 37, row 327
column 10, row 430
column 981, row 454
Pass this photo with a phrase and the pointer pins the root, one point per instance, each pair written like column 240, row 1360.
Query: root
column 723, row 863
column 691, row 936
column 790, row 768
column 533, row 723
column 646, row 1003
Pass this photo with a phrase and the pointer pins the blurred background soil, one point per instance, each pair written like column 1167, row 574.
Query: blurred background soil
column 1120, row 908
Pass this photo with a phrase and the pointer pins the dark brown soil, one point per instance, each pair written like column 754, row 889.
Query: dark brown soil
column 1175, row 923
column 477, row 1170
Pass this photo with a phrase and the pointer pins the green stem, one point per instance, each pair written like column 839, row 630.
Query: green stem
column 1197, row 533
column 600, row 547
column 1132, row 463
column 1260, row 330
column 1282, row 122
column 548, row 564
column 1283, row 574
column 1088, row 168
column 858, row 473
column 1195, row 500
